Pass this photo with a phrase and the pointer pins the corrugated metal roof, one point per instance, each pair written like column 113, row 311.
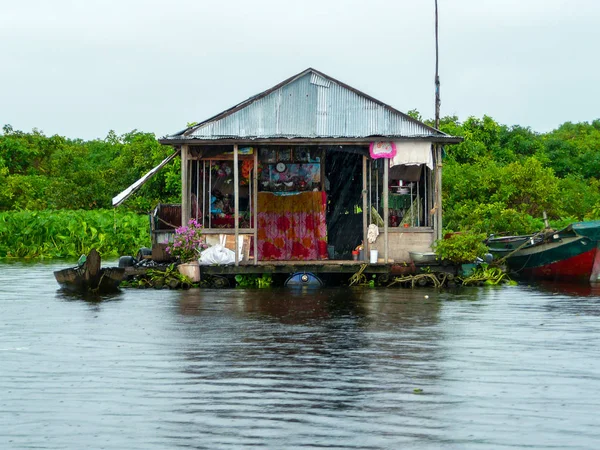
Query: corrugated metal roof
column 308, row 105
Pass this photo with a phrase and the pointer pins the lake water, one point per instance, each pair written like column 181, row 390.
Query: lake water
column 506, row 367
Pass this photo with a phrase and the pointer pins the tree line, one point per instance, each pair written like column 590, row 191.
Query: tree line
column 499, row 180
column 39, row 172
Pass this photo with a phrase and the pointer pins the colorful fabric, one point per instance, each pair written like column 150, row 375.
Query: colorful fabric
column 292, row 227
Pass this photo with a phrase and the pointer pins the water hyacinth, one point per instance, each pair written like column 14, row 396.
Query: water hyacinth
column 188, row 242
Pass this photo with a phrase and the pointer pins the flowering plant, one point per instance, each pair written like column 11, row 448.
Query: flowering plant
column 188, row 242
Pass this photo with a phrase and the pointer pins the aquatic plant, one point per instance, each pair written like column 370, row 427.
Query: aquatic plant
column 251, row 280
column 159, row 278
column 486, row 274
column 360, row 279
column 69, row 234
column 188, row 242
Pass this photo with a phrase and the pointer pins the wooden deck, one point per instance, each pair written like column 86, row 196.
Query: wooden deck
column 325, row 266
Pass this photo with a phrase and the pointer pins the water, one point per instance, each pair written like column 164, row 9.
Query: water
column 508, row 367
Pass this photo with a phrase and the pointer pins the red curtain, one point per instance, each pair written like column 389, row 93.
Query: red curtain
column 292, row 227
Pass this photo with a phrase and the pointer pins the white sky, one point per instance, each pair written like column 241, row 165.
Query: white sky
column 80, row 68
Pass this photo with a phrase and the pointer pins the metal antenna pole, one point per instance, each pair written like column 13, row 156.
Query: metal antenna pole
column 437, row 77
column 438, row 148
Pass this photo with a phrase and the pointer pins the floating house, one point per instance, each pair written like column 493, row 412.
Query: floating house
column 306, row 172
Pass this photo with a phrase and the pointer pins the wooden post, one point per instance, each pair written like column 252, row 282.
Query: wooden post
column 209, row 193
column 203, row 192
column 365, row 207
column 236, row 200
column 197, row 187
column 438, row 148
column 185, row 188
column 438, row 191
column 255, row 202
column 370, row 191
column 386, row 209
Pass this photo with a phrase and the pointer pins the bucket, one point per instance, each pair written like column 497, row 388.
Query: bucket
column 190, row 270
column 374, row 255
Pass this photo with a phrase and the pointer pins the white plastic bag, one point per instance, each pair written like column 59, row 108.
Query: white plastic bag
column 217, row 254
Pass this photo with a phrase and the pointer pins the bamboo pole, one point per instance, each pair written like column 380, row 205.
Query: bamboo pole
column 370, row 191
column 365, row 206
column 197, row 162
column 209, row 193
column 438, row 188
column 255, row 212
column 438, row 148
column 203, row 192
column 426, row 199
column 236, row 199
column 386, row 209
column 185, row 191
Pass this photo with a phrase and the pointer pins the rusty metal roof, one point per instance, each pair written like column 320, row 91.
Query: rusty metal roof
column 309, row 105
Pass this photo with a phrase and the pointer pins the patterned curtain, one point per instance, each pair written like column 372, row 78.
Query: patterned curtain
column 292, row 227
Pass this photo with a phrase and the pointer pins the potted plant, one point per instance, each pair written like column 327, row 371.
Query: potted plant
column 187, row 245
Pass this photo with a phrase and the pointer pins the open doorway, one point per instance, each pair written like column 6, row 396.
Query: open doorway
column 343, row 171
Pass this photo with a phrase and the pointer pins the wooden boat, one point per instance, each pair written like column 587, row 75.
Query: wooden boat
column 90, row 276
column 570, row 254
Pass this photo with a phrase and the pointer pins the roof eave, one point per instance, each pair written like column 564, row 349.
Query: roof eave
column 313, row 141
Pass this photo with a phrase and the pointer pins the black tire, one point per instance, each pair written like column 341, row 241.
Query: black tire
column 144, row 253
column 126, row 261
column 219, row 282
column 383, row 278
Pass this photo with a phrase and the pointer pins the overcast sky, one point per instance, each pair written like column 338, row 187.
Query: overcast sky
column 81, row 68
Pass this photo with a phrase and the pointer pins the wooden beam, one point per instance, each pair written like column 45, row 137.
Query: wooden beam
column 254, row 213
column 209, row 194
column 438, row 191
column 386, row 209
column 203, row 193
column 185, row 189
column 197, row 189
column 236, row 199
column 365, row 207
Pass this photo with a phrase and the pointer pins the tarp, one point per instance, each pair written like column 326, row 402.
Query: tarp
column 411, row 153
column 116, row 201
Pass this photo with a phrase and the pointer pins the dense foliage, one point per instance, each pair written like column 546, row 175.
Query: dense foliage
column 39, row 172
column 69, row 234
column 502, row 178
column 499, row 180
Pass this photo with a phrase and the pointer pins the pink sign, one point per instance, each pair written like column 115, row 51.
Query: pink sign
column 382, row 149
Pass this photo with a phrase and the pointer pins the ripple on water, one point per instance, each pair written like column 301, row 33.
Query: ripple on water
column 336, row 368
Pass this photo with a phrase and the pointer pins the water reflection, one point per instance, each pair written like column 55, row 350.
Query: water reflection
column 498, row 367
column 88, row 297
column 570, row 289
column 291, row 363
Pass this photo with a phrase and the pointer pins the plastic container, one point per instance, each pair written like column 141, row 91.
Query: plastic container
column 355, row 255
column 331, row 252
column 190, row 270
column 374, row 256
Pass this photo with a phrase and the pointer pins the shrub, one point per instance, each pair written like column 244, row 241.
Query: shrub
column 460, row 247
